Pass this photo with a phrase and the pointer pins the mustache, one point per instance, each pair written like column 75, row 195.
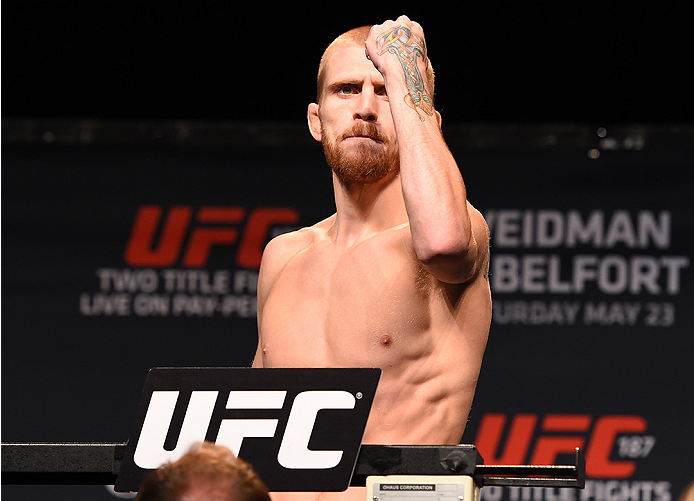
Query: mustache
column 366, row 129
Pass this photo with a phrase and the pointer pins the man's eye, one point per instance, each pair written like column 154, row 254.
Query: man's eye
column 346, row 90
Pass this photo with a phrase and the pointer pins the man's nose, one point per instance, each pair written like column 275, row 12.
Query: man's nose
column 367, row 106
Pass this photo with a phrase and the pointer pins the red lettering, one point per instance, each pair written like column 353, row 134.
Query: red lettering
column 203, row 239
column 256, row 233
column 156, row 243
column 140, row 250
column 605, row 431
column 517, row 443
column 547, row 448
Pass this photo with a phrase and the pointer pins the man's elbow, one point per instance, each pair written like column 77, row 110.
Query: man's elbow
column 443, row 250
column 449, row 261
column 453, row 242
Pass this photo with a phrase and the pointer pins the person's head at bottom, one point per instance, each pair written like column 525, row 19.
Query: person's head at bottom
column 207, row 472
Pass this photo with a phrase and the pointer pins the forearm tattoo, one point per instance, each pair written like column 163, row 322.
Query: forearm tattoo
column 408, row 46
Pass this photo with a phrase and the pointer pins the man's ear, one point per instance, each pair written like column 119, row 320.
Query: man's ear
column 314, row 122
column 438, row 118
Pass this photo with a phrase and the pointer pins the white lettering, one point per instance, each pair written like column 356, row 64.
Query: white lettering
column 151, row 305
column 578, row 232
column 555, row 283
column 674, row 266
column 294, row 452
column 505, row 275
column 644, row 273
column 104, row 304
column 620, row 230
column 552, row 228
column 150, row 452
column 611, row 274
column 127, row 280
column 533, row 276
column 652, row 231
column 617, row 313
column 194, row 306
column 595, row 490
column 535, row 312
column 232, row 431
column 584, row 271
column 196, row 281
column 507, row 232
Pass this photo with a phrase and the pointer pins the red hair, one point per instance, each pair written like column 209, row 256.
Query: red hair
column 206, row 464
column 356, row 36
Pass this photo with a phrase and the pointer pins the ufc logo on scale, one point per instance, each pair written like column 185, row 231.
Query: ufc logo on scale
column 290, row 424
column 293, row 452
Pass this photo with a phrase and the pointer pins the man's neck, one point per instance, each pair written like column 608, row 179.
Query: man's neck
column 364, row 209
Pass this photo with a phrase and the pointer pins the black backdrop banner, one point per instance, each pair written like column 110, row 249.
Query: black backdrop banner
column 130, row 245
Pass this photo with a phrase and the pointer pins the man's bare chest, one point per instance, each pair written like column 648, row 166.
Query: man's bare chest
column 348, row 306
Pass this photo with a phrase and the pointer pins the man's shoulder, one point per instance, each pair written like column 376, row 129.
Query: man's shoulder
column 281, row 250
column 287, row 245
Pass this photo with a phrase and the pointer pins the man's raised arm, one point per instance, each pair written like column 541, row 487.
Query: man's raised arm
column 449, row 236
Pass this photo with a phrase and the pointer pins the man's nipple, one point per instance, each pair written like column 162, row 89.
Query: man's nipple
column 385, row 341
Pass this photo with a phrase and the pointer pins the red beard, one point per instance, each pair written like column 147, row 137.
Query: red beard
column 367, row 162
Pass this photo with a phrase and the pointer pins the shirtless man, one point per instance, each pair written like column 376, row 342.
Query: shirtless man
column 397, row 277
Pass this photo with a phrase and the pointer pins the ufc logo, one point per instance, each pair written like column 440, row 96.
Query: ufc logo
column 561, row 434
column 293, row 451
column 157, row 243
column 289, row 423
